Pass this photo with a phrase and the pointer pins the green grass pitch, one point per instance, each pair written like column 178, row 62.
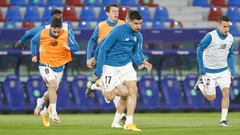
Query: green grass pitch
column 99, row 124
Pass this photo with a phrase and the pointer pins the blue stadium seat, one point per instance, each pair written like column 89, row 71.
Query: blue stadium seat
column 144, row 11
column 201, row 3
column 158, row 25
column 195, row 99
column 103, row 105
column 145, row 25
column 47, row 13
column 235, row 3
column 171, row 92
column 91, row 2
column 32, row 14
column 14, row 93
column 84, row 25
column 148, row 90
column 13, row 14
column 234, row 29
column 18, row 2
column 55, row 3
column 63, row 96
column 235, row 93
column 106, row 2
column 35, row 87
column 102, row 15
column 79, row 85
column 9, row 25
column 161, row 14
column 87, row 14
column 130, row 3
column 36, row 2
column 234, row 14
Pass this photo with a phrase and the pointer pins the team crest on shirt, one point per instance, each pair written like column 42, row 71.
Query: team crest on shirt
column 135, row 39
column 54, row 43
column 223, row 46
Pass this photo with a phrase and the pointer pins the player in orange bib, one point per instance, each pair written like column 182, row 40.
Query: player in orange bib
column 55, row 46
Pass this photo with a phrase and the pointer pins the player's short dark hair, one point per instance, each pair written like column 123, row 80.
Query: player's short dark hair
column 128, row 12
column 56, row 23
column 224, row 18
column 56, row 11
column 107, row 8
column 135, row 15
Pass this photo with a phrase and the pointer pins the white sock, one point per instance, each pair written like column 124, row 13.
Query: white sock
column 116, row 101
column 117, row 117
column 53, row 108
column 129, row 120
column 224, row 114
column 95, row 87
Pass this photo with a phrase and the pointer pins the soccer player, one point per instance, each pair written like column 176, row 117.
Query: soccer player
column 55, row 47
column 100, row 32
column 114, row 64
column 216, row 64
column 56, row 13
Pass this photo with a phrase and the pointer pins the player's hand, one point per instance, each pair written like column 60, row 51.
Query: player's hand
column 146, row 65
column 34, row 59
column 91, row 62
column 18, row 44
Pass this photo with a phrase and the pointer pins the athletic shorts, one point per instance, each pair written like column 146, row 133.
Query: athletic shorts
column 211, row 80
column 48, row 74
column 113, row 76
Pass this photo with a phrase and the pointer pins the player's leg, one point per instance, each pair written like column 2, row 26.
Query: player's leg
column 120, row 118
column 224, row 82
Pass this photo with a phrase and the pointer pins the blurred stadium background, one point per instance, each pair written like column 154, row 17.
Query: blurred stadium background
column 171, row 30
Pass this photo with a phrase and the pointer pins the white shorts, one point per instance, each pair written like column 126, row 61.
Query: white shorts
column 48, row 74
column 113, row 76
column 211, row 80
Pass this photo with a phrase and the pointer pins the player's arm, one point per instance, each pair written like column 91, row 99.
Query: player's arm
column 28, row 35
column 73, row 46
column 92, row 42
column 204, row 43
column 97, row 49
column 34, row 45
column 106, row 45
column 231, row 61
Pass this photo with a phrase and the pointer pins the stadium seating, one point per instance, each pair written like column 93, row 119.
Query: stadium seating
column 1, row 16
column 234, row 29
column 122, row 13
column 75, row 3
column 36, row 2
column 91, row 2
column 32, row 14
column 234, row 14
column 4, row 3
column 13, row 14
column 27, row 25
column 161, row 14
column 87, row 14
column 14, row 93
column 158, row 25
column 144, row 11
column 35, row 88
column 234, row 3
column 130, row 3
column 235, row 93
column 63, row 96
column 69, row 13
column 18, row 2
column 47, row 13
column 106, row 2
column 176, row 24
column 220, row 3
column 215, row 13
column 171, row 92
column 148, row 3
column 149, row 93
column 55, row 3
column 201, row 3
column 84, row 25
column 78, row 87
column 102, row 15
column 9, row 25
column 195, row 99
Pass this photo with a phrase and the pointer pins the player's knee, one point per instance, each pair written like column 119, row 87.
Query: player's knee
column 53, row 86
column 225, row 93
column 211, row 98
column 133, row 90
column 109, row 95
